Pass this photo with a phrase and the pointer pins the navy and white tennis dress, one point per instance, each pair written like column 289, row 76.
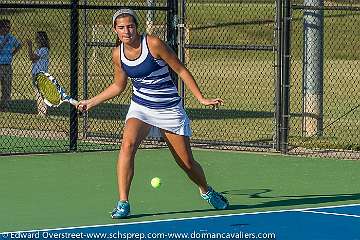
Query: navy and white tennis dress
column 155, row 99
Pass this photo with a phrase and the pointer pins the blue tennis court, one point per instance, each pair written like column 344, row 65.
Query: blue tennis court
column 326, row 223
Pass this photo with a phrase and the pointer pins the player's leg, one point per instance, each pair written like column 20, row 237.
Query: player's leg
column 181, row 150
column 134, row 132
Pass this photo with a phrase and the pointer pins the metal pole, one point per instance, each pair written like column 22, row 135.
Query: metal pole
column 85, row 69
column 181, row 53
column 313, row 69
column 286, row 76
column 278, row 99
column 74, row 47
column 172, row 24
column 172, row 34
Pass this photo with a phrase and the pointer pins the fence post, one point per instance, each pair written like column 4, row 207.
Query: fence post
column 182, row 42
column 285, row 76
column 172, row 34
column 313, row 69
column 278, row 80
column 74, row 42
column 85, row 68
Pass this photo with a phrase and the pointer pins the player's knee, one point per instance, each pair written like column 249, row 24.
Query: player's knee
column 129, row 146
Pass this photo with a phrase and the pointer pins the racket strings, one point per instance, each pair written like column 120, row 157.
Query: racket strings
column 48, row 90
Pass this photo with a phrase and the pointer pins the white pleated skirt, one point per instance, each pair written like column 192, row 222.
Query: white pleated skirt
column 172, row 119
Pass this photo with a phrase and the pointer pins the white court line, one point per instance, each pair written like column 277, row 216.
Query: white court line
column 190, row 218
column 329, row 207
column 330, row 213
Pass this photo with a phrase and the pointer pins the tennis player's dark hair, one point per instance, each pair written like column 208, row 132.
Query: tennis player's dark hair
column 118, row 42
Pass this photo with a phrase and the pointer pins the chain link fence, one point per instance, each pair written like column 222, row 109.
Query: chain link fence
column 81, row 40
column 325, row 78
column 231, row 53
column 234, row 49
column 23, row 128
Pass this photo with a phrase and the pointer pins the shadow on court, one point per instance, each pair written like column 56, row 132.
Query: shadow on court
column 292, row 200
column 256, row 193
column 111, row 111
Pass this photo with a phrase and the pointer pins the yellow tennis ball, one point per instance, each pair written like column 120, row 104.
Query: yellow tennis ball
column 155, row 182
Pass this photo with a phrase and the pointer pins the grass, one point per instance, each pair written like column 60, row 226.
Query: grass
column 244, row 79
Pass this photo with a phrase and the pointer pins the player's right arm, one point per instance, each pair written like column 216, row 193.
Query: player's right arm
column 116, row 88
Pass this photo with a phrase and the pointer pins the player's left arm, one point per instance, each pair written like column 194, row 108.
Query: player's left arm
column 160, row 50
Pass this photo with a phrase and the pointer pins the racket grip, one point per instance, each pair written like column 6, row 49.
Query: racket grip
column 73, row 102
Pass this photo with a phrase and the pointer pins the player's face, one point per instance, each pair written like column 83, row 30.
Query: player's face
column 125, row 28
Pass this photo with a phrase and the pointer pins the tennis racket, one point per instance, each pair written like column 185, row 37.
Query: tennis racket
column 51, row 91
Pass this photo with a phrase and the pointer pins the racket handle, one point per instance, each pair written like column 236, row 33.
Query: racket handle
column 73, row 102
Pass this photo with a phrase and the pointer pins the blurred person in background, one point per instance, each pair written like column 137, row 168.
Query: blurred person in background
column 40, row 63
column 9, row 46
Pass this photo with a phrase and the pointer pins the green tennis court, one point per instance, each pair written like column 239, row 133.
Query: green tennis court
column 78, row 189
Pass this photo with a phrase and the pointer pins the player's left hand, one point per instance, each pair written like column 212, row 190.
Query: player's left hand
column 214, row 102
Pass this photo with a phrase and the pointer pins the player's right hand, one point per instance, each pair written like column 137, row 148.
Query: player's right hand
column 82, row 106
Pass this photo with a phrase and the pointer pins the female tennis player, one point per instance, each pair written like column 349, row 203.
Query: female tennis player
column 155, row 102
